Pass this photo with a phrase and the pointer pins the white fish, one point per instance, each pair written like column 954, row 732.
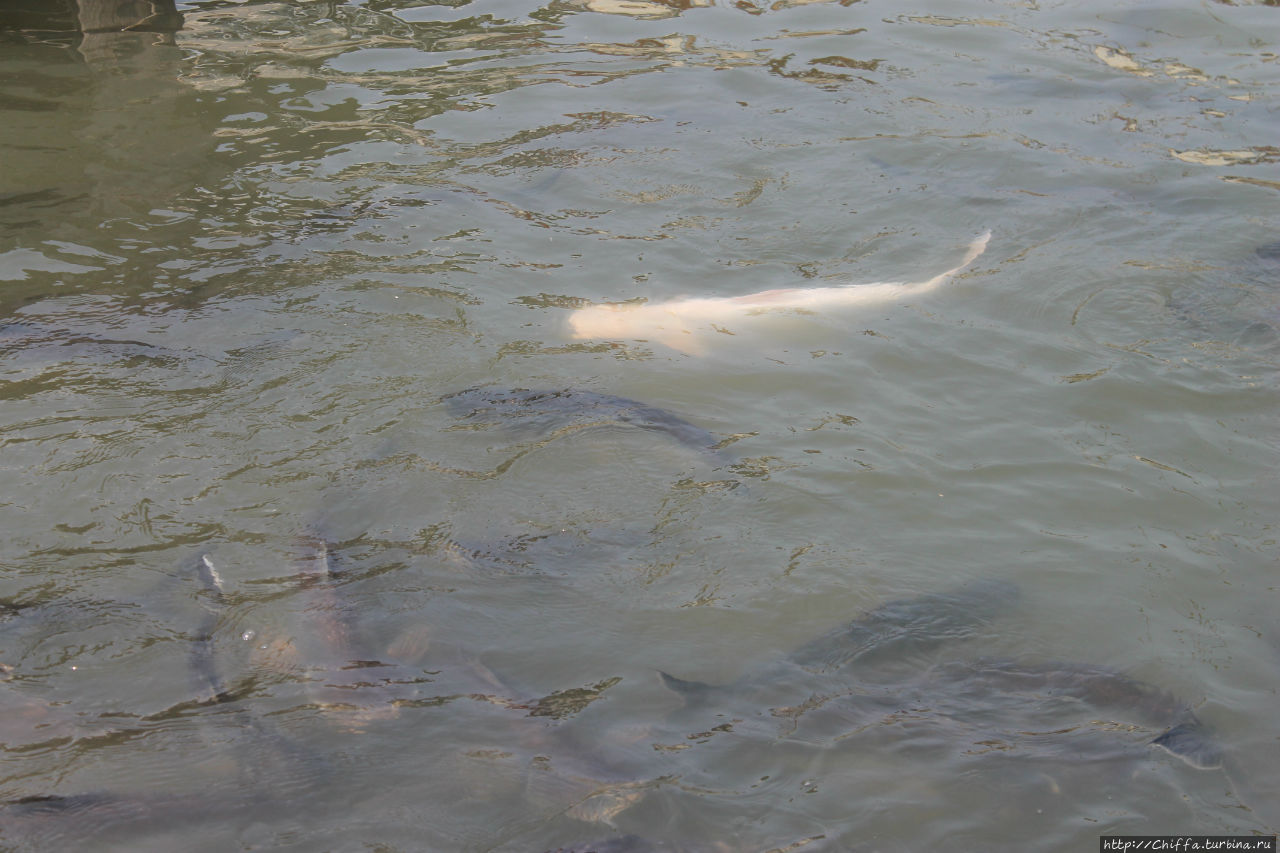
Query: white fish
column 679, row 322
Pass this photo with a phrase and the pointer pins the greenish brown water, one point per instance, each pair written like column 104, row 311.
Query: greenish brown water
column 243, row 267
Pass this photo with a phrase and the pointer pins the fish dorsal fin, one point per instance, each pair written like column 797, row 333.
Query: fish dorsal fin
column 692, row 692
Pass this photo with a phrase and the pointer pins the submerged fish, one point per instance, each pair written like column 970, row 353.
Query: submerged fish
column 982, row 694
column 28, row 343
column 208, row 682
column 323, row 650
column 1095, row 687
column 1234, row 305
column 679, row 322
column 892, row 631
column 105, row 820
column 910, row 625
column 561, row 409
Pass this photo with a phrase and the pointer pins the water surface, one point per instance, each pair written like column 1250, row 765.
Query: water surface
column 246, row 263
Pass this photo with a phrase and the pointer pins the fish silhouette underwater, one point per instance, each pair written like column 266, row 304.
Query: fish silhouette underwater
column 867, row 674
column 881, row 688
column 557, row 411
column 864, row 674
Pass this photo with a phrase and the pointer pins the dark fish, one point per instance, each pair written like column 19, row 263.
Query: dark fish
column 910, row 625
column 29, row 341
column 208, row 683
column 354, row 688
column 82, row 820
column 1236, row 305
column 328, row 614
column 1269, row 255
column 92, row 820
column 357, row 683
column 1190, row 741
column 546, row 411
column 898, row 629
column 1010, row 682
column 272, row 747
column 974, row 691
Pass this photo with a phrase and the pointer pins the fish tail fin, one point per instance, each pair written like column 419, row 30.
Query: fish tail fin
column 1191, row 742
column 976, row 248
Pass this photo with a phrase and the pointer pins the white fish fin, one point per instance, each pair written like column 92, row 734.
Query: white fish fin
column 976, row 248
column 209, row 574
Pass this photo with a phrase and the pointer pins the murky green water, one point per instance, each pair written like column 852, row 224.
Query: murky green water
column 244, row 265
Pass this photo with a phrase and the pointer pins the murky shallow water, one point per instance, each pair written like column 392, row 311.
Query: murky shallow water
column 246, row 264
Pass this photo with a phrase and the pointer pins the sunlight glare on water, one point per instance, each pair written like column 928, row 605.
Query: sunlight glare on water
column 276, row 575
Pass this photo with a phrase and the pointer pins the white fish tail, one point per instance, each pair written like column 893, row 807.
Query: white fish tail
column 976, row 248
